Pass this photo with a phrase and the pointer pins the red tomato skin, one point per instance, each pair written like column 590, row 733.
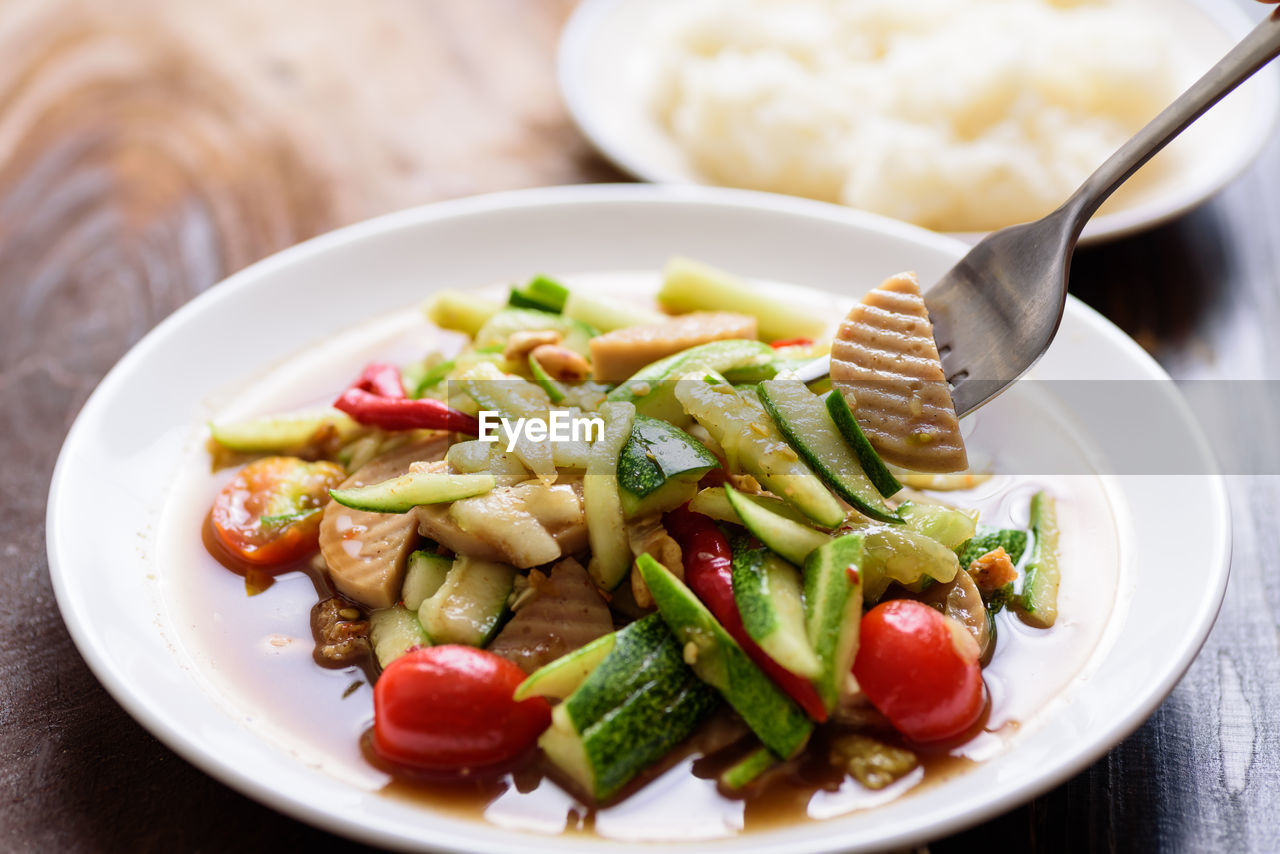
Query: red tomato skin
column 448, row 708
column 912, row 672
column 273, row 485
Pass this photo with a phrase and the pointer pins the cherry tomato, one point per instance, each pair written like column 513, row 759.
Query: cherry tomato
column 270, row 512
column 446, row 708
column 922, row 674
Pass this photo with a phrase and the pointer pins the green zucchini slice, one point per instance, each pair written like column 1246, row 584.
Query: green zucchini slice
column 774, row 717
column 833, row 611
column 402, row 494
column 471, row 605
column 870, row 461
column 808, row 426
column 638, row 703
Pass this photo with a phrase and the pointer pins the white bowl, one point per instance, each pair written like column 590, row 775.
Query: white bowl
column 603, row 69
column 114, row 487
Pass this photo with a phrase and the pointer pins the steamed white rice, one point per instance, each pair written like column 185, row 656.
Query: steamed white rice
column 958, row 115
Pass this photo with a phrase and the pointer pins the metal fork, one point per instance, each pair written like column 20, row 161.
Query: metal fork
column 996, row 311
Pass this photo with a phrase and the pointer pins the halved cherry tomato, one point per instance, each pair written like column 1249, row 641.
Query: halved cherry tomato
column 922, row 674
column 449, row 708
column 270, row 512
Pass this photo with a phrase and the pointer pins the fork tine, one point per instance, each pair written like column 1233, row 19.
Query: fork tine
column 992, row 323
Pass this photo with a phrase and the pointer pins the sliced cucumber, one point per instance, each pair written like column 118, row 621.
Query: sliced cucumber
column 767, row 591
column 692, row 286
column 872, row 465
column 354, row 455
column 393, row 632
column 560, row 678
column 950, row 526
column 789, row 538
column 767, row 371
column 402, row 494
column 801, row 416
column 427, row 378
column 606, row 314
column 610, row 548
column 460, row 311
column 477, row 457
column 659, row 467
column 469, row 457
column 718, row 660
column 657, row 451
column 471, row 605
column 424, row 574
column 714, row 502
column 638, row 703
column 545, row 381
column 833, row 611
column 515, row 397
column 897, row 553
column 283, row 434
column 542, row 293
column 1013, row 541
column 738, row 422
column 667, row 497
column 748, row 768
column 1038, row 604
column 652, row 388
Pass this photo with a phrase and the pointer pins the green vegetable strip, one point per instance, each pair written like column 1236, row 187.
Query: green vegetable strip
column 1039, row 601
column 718, row 660
column 283, row 434
column 606, row 314
column 460, row 311
column 610, row 549
column 748, row 768
column 554, row 390
column 637, row 704
column 1013, row 541
column 541, row 293
column 691, row 286
column 951, row 527
column 897, row 553
column 808, row 426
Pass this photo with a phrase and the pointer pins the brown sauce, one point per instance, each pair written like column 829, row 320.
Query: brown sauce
column 257, row 651
column 782, row 796
column 790, row 793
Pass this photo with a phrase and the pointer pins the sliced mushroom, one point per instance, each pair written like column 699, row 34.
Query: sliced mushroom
column 885, row 362
column 563, row 613
column 619, row 354
column 648, row 536
column 961, row 600
column 366, row 552
column 525, row 525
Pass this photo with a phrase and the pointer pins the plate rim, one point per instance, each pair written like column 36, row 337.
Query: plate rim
column 105, row 670
column 1231, row 19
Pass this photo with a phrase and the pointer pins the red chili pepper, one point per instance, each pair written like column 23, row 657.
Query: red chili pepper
column 708, row 570
column 792, row 342
column 382, row 379
column 402, row 413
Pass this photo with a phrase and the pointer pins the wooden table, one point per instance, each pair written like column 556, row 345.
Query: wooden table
column 151, row 148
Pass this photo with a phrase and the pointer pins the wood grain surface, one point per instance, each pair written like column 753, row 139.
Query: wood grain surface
column 150, row 148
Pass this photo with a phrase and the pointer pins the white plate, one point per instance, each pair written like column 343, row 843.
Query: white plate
column 115, row 482
column 603, row 73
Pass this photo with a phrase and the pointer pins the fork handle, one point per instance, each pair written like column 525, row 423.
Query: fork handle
column 1258, row 48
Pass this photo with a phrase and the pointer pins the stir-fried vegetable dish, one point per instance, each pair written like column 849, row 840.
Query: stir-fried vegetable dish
column 597, row 527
